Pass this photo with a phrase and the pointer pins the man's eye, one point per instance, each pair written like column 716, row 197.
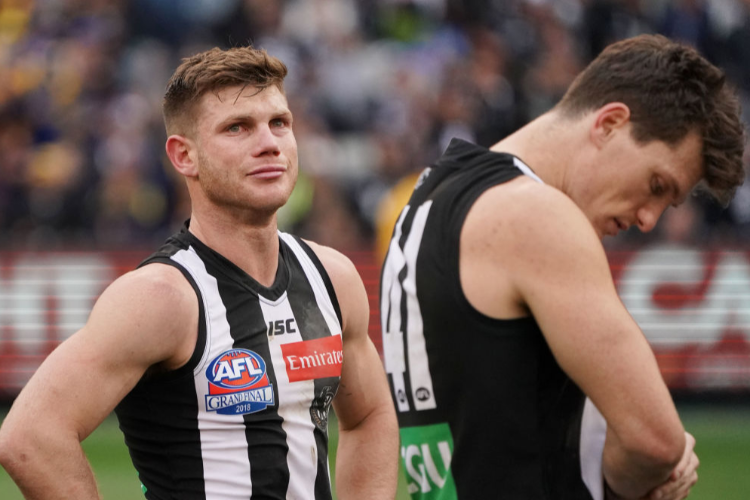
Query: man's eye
column 234, row 128
column 656, row 187
column 278, row 122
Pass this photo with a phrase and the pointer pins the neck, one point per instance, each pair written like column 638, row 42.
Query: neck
column 551, row 146
column 254, row 248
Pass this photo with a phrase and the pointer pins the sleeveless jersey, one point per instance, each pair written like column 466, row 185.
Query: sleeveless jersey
column 247, row 416
column 484, row 410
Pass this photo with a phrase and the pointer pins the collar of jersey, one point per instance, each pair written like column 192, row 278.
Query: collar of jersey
column 230, row 270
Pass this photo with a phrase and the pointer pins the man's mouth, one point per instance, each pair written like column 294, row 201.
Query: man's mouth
column 269, row 172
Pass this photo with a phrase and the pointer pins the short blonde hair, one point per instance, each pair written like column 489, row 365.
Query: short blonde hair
column 211, row 71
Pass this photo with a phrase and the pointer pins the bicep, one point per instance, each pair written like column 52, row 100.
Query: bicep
column 593, row 337
column 570, row 292
column 362, row 378
column 82, row 380
column 76, row 387
column 363, row 387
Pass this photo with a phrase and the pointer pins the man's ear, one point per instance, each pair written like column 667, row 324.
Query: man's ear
column 608, row 119
column 182, row 152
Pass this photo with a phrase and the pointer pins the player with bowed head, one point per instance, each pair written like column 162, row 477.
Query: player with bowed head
column 498, row 308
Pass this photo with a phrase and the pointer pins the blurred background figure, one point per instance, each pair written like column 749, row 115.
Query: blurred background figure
column 379, row 88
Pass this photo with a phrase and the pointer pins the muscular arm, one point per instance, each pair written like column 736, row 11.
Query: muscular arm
column 541, row 245
column 367, row 457
column 131, row 327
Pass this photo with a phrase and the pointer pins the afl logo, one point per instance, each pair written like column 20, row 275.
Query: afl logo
column 237, row 383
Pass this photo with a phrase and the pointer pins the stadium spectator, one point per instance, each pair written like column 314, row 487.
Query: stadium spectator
column 68, row 65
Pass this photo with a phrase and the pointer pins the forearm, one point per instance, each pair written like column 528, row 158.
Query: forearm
column 631, row 475
column 367, row 459
column 53, row 469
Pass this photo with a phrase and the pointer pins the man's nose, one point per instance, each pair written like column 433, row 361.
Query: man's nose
column 265, row 142
column 648, row 216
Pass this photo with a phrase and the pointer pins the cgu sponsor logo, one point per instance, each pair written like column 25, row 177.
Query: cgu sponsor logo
column 426, row 452
column 313, row 359
column 238, row 383
column 422, row 469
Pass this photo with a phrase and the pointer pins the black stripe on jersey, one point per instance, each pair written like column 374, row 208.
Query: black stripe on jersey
column 322, row 271
column 168, row 392
column 312, row 325
column 183, row 451
column 266, row 439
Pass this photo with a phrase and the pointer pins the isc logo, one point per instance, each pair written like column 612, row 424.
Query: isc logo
column 280, row 327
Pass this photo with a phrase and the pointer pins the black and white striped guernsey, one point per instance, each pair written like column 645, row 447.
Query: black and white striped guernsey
column 484, row 410
column 246, row 417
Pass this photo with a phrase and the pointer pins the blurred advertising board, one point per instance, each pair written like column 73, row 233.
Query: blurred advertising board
column 44, row 299
column 693, row 305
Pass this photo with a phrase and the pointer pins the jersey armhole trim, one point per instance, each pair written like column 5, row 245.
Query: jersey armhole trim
column 455, row 227
column 200, row 342
column 323, row 274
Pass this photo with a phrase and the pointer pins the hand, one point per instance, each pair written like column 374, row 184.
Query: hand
column 683, row 477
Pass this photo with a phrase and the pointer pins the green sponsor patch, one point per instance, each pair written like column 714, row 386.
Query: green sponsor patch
column 426, row 452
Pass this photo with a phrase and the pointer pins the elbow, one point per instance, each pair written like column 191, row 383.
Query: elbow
column 669, row 452
column 660, row 450
column 9, row 447
column 16, row 449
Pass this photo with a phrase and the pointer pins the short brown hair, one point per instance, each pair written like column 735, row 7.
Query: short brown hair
column 670, row 90
column 213, row 70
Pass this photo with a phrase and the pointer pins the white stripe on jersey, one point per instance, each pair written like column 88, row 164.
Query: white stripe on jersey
column 294, row 405
column 226, row 468
column 526, row 170
column 393, row 337
column 593, row 434
column 316, row 283
column 419, row 365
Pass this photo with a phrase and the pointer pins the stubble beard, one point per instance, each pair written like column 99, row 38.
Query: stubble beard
column 220, row 190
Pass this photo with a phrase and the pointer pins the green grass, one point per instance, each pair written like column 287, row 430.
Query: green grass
column 722, row 434
column 115, row 474
column 723, row 446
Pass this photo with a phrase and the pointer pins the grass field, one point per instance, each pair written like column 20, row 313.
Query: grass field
column 722, row 433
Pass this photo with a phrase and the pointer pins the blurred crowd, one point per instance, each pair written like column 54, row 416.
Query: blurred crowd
column 378, row 88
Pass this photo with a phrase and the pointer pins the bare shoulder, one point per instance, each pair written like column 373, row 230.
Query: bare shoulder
column 149, row 308
column 154, row 280
column 348, row 286
column 519, row 237
column 339, row 267
column 156, row 288
column 525, row 219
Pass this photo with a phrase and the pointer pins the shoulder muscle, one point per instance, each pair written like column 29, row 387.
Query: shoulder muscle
column 149, row 309
column 347, row 284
